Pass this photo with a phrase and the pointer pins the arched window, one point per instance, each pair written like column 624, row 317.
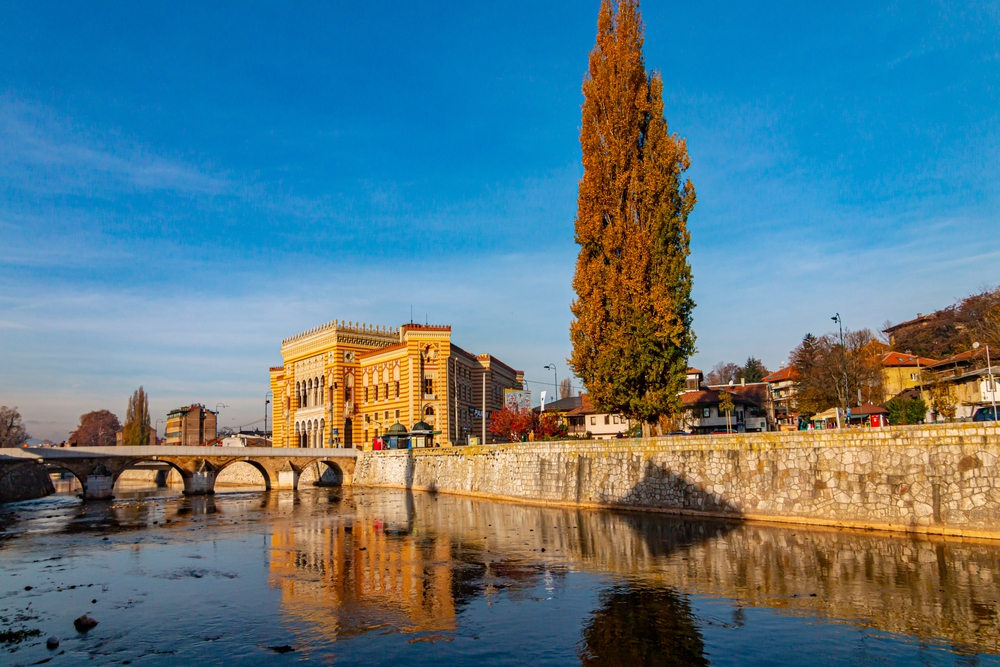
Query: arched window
column 429, row 411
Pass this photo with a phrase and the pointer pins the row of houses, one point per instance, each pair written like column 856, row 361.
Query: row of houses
column 963, row 383
column 965, row 380
column 702, row 411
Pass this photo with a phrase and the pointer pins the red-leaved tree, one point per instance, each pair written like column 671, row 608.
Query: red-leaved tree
column 512, row 425
column 96, row 429
column 515, row 425
column 548, row 425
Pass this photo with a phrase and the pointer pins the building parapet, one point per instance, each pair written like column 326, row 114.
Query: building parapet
column 343, row 325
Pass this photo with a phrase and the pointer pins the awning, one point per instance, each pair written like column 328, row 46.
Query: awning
column 825, row 415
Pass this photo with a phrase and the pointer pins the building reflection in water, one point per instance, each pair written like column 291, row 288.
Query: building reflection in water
column 392, row 563
column 359, row 574
column 399, row 562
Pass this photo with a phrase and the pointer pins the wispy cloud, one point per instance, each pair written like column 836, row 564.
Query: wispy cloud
column 43, row 154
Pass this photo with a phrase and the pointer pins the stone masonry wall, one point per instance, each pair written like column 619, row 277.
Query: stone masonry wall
column 24, row 482
column 933, row 479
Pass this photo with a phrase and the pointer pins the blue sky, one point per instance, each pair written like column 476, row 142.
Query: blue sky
column 182, row 186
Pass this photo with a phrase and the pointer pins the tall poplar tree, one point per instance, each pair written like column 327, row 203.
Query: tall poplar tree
column 632, row 331
column 136, row 430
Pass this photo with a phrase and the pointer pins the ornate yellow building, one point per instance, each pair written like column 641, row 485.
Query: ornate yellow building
column 345, row 383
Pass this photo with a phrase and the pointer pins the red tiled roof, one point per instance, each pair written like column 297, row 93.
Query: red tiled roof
column 692, row 371
column 867, row 409
column 902, row 359
column 917, row 320
column 756, row 392
column 782, row 374
column 586, row 407
column 960, row 357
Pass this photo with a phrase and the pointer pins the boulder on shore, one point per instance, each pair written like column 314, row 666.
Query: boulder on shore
column 84, row 623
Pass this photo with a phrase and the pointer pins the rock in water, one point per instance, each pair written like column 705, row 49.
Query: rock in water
column 52, row 643
column 84, row 623
column 282, row 649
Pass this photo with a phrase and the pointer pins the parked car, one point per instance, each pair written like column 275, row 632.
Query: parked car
column 988, row 414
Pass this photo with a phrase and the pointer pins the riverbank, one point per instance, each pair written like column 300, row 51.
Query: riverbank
column 935, row 479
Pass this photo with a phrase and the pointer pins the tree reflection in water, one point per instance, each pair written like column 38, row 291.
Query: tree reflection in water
column 638, row 625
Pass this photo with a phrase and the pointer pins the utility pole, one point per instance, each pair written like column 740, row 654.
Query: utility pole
column 843, row 355
column 993, row 387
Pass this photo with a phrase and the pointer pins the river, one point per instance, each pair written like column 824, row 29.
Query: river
column 378, row 576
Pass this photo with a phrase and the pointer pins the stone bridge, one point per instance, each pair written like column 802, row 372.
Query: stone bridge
column 98, row 468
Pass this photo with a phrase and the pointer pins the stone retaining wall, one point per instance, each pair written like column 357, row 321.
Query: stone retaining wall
column 24, row 482
column 933, row 479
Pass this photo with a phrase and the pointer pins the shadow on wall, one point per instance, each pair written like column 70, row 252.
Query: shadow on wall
column 661, row 488
column 323, row 473
column 409, row 473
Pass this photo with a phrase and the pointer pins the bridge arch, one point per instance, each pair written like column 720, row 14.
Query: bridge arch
column 254, row 464
column 131, row 465
column 332, row 476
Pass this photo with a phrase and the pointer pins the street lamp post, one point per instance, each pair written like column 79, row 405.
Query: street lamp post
column 266, row 403
column 555, row 379
column 218, row 409
column 843, row 356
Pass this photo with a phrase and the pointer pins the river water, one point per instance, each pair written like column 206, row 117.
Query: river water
column 365, row 576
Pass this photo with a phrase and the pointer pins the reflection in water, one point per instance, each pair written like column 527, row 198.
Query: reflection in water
column 410, row 562
column 350, row 577
column 327, row 570
column 636, row 625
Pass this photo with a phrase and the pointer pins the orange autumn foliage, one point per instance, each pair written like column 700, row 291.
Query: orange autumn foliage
column 632, row 332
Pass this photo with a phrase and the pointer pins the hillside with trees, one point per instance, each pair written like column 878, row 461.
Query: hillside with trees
column 952, row 330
